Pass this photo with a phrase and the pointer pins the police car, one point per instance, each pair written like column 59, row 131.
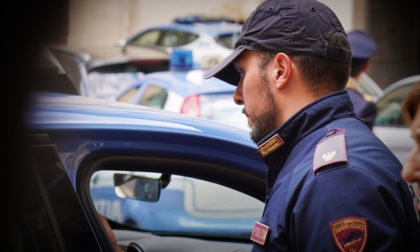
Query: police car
column 209, row 42
column 151, row 172
column 182, row 89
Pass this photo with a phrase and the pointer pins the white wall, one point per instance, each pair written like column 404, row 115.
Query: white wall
column 344, row 11
column 104, row 22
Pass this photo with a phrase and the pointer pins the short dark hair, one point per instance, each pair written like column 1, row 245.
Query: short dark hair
column 410, row 104
column 357, row 66
column 320, row 74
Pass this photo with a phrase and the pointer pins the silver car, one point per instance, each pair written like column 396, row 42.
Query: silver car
column 389, row 125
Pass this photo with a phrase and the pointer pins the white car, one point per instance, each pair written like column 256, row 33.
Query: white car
column 389, row 125
column 209, row 42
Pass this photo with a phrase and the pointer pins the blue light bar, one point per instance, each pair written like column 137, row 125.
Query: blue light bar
column 181, row 60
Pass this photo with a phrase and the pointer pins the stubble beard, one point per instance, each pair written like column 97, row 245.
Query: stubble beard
column 265, row 121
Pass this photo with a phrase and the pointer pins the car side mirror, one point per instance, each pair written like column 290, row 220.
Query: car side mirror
column 123, row 44
column 137, row 187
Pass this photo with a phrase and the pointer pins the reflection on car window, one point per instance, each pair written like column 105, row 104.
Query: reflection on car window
column 173, row 38
column 389, row 107
column 186, row 205
column 129, row 95
column 149, row 38
column 154, row 97
column 228, row 40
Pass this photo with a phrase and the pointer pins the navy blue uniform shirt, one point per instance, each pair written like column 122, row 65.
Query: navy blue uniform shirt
column 333, row 185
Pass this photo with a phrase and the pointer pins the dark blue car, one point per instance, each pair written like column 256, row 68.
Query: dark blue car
column 164, row 180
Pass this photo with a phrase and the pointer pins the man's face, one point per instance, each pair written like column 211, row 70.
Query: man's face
column 254, row 93
column 411, row 171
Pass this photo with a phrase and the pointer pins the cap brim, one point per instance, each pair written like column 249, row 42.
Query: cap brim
column 225, row 70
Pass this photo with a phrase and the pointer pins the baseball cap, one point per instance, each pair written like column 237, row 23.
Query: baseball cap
column 295, row 27
column 363, row 46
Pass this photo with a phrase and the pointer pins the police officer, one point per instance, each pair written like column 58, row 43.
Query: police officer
column 363, row 48
column 332, row 185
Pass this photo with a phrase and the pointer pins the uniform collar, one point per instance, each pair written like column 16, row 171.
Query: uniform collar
column 275, row 148
column 352, row 84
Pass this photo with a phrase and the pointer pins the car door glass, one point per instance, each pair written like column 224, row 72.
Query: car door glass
column 149, row 38
column 186, row 205
column 389, row 107
column 154, row 96
column 173, row 38
column 228, row 40
column 128, row 96
column 52, row 218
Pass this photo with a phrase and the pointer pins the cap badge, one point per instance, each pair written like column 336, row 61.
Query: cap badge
column 350, row 233
column 270, row 145
column 259, row 233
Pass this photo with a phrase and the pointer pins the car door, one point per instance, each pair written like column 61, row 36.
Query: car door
column 48, row 215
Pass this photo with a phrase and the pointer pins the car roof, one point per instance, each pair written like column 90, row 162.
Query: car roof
column 212, row 29
column 188, row 82
column 402, row 82
column 62, row 111
column 194, row 19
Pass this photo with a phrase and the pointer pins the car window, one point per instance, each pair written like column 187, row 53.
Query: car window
column 108, row 85
column 186, row 205
column 228, row 40
column 128, row 95
column 154, row 96
column 220, row 107
column 148, row 38
column 389, row 107
column 174, row 38
column 52, row 218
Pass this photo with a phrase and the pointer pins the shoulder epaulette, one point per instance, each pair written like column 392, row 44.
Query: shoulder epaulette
column 330, row 150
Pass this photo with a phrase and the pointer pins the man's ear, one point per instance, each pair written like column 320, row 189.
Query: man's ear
column 283, row 69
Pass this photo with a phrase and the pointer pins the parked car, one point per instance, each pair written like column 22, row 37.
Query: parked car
column 389, row 124
column 199, row 198
column 209, row 176
column 102, row 72
column 209, row 42
column 187, row 92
